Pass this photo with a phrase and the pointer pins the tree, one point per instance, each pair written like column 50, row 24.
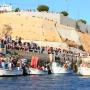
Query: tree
column 17, row 9
column 65, row 13
column 83, row 21
column 41, row 8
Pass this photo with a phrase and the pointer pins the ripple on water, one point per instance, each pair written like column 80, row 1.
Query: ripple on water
column 45, row 82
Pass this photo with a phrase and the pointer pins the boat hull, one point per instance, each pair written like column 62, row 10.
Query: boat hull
column 6, row 72
column 37, row 71
column 84, row 71
column 57, row 69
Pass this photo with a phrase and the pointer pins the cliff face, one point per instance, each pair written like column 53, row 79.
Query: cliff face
column 34, row 28
column 85, row 41
column 29, row 28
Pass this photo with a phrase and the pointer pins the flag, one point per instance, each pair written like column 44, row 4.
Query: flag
column 34, row 61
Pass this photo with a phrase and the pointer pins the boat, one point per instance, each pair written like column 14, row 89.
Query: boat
column 7, row 72
column 84, row 66
column 34, row 69
column 37, row 71
column 7, row 69
column 56, row 68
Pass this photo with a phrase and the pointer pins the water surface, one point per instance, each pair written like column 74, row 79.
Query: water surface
column 45, row 82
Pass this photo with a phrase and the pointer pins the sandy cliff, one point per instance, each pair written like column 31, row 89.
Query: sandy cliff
column 34, row 28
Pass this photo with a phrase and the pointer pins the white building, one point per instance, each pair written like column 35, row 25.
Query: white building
column 5, row 8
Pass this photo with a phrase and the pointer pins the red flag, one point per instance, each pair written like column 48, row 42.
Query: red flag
column 34, row 61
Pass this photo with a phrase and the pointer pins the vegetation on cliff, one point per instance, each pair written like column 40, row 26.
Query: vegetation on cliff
column 65, row 13
column 41, row 8
column 83, row 21
column 17, row 9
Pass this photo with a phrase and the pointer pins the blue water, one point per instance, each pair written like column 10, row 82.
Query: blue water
column 45, row 82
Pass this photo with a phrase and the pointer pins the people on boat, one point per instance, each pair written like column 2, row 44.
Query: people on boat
column 3, row 64
column 10, row 65
column 65, row 66
column 11, row 62
column 24, row 70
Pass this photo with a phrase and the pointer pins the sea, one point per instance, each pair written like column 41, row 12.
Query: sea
column 46, row 82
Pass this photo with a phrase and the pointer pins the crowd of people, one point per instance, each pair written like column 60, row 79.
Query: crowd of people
column 17, row 44
column 12, row 62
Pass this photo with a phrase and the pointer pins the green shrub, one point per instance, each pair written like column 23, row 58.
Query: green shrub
column 65, row 13
column 83, row 21
column 41, row 8
column 17, row 9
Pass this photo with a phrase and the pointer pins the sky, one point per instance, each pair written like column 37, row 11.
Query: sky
column 77, row 9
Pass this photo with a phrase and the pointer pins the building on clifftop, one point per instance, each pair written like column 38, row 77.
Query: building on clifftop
column 5, row 8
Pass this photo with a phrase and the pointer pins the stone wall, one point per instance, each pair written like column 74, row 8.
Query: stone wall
column 82, row 26
column 70, row 35
column 46, row 15
column 59, row 18
column 72, row 23
column 65, row 20
column 88, row 28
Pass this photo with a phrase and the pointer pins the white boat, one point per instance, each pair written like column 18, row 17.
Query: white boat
column 34, row 67
column 56, row 68
column 84, row 67
column 7, row 72
column 84, row 71
column 37, row 71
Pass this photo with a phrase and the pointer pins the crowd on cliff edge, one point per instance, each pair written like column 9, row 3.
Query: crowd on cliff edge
column 17, row 44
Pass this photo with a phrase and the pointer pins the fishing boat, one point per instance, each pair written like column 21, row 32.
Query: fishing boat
column 7, row 72
column 84, row 67
column 37, row 71
column 56, row 68
column 34, row 69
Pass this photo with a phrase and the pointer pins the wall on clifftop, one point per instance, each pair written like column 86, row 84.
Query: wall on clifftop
column 57, row 17
column 70, row 35
column 45, row 15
